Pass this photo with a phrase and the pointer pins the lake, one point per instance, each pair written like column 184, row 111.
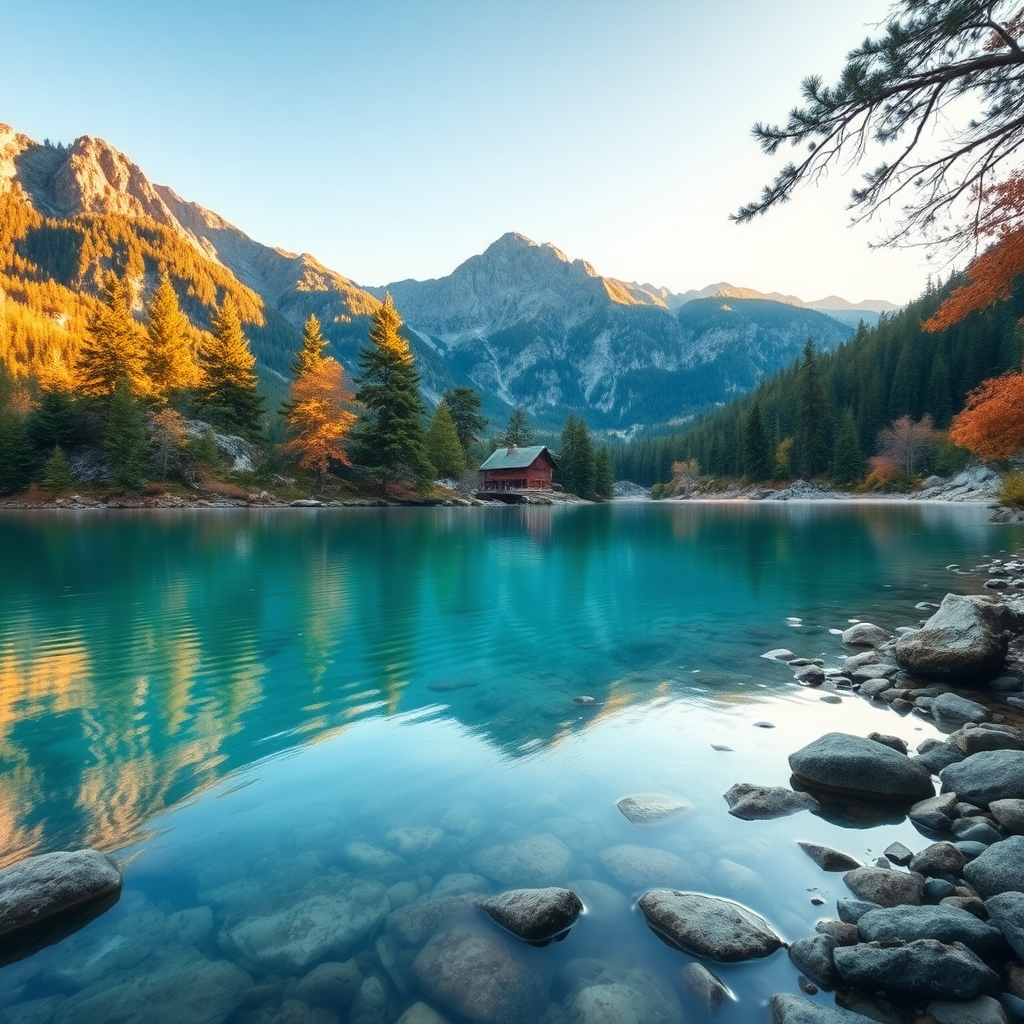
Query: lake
column 348, row 713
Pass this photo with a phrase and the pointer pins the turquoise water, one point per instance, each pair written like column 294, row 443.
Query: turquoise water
column 248, row 708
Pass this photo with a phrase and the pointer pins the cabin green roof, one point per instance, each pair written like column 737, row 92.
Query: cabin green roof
column 515, row 458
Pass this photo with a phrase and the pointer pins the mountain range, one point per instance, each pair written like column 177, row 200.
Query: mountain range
column 521, row 322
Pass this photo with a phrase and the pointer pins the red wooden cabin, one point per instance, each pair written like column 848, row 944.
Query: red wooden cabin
column 518, row 469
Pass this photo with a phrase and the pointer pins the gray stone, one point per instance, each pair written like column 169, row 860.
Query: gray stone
column 414, row 842
column 969, row 849
column 536, row 860
column 330, row 984
column 972, row 904
column 965, row 639
column 649, row 810
column 810, row 675
column 481, row 974
column 458, row 885
column 706, row 987
column 944, row 923
column 924, row 967
column 990, row 775
column 363, row 855
column 1006, row 909
column 983, row 1010
column 646, row 865
column 1006, row 684
column 999, row 869
column 1013, row 1006
column 420, row 1013
column 896, row 742
column 708, row 926
column 973, row 738
column 939, row 756
column 414, row 924
column 813, row 956
column 935, row 813
column 601, row 993
column 850, row 911
column 899, row 854
column 534, row 915
column 937, row 889
column 939, row 859
column 855, row 766
column 371, row 1003
column 754, row 803
column 844, row 934
column 951, row 708
column 37, row 891
column 976, row 830
column 1009, row 814
column 314, row 929
column 828, row 859
column 886, row 887
column 874, row 687
column 787, row 1009
column 866, row 634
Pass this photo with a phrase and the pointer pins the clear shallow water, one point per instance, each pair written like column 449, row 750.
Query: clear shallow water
column 230, row 701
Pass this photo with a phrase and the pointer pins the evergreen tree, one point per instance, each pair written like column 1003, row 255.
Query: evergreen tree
column 55, row 421
column 124, row 440
column 810, row 442
column 519, row 432
column 848, row 466
column 312, row 350
column 604, row 483
column 757, row 454
column 392, row 439
column 939, row 399
column 464, row 407
column 56, row 472
column 228, row 392
column 113, row 347
column 170, row 362
column 443, row 445
column 576, row 469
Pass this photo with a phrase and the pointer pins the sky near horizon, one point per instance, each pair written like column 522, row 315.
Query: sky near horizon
column 396, row 138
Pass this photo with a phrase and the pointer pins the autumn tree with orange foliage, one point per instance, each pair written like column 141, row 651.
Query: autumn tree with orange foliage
column 319, row 417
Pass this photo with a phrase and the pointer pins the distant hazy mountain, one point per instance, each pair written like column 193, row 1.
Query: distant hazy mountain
column 521, row 322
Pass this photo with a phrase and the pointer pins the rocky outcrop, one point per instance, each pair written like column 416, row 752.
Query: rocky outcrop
column 966, row 639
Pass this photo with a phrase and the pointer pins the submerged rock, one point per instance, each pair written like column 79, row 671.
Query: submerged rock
column 602, row 993
column 536, row 860
column 755, row 803
column 536, row 916
column 420, row 1013
column 828, row 859
column 965, row 639
column 480, row 974
column 707, row 988
column 645, row 865
column 852, row 765
column 414, row 924
column 787, row 1009
column 709, row 926
column 36, row 892
column 924, row 967
column 314, row 929
column 330, row 984
column 649, row 810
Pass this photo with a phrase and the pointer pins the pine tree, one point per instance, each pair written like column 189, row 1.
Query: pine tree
column 939, row 399
column 312, row 350
column 810, row 441
column 170, row 361
column 464, row 407
column 848, row 466
column 55, row 421
column 228, row 392
column 519, row 432
column 443, row 444
column 113, row 347
column 392, row 439
column 124, row 440
column 585, row 454
column 319, row 417
column 576, row 469
column 757, row 454
column 56, row 472
column 604, row 483
column 16, row 461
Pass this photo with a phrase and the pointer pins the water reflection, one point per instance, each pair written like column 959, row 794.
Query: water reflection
column 145, row 656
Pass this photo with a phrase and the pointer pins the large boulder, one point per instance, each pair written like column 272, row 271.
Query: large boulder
column 36, row 892
column 480, row 974
column 966, row 639
column 986, row 776
column 952, row 709
column 534, row 915
column 854, row 766
column 924, row 967
column 999, row 869
column 1006, row 910
column 947, row 924
column 709, row 926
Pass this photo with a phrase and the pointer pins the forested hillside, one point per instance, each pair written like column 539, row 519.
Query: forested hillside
column 882, row 373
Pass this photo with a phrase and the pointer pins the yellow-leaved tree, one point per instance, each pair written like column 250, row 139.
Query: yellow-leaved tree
column 170, row 359
column 319, row 417
column 114, row 347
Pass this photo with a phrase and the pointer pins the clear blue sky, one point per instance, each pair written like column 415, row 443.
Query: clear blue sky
column 395, row 138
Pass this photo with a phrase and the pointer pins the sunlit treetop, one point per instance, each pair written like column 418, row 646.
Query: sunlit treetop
column 942, row 87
